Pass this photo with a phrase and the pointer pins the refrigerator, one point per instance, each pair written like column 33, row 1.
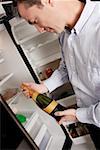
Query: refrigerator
column 29, row 56
column 16, row 67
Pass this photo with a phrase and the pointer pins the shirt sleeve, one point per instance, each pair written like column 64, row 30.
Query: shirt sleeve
column 58, row 78
column 89, row 115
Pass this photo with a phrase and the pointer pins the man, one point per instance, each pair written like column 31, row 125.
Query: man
column 80, row 54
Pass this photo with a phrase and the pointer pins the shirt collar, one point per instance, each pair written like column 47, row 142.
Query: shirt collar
column 87, row 11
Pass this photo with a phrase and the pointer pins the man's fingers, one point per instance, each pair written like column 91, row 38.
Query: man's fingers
column 60, row 113
column 67, row 118
column 67, row 112
column 63, row 113
column 63, row 119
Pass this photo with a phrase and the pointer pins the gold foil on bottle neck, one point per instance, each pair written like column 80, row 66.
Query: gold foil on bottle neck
column 34, row 95
column 51, row 107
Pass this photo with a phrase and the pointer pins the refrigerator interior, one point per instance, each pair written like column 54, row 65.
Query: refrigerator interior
column 42, row 128
column 42, row 50
column 42, row 54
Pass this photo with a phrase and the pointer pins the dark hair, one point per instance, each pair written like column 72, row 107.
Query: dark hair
column 30, row 3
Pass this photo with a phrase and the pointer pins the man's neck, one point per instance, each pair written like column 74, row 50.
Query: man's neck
column 74, row 12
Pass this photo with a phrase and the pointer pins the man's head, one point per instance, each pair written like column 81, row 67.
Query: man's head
column 47, row 15
column 30, row 3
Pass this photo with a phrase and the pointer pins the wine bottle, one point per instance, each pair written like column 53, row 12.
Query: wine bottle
column 50, row 106
column 45, row 103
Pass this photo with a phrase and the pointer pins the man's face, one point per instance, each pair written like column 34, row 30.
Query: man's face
column 44, row 18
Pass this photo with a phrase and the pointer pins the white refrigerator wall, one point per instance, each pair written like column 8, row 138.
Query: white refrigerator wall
column 13, row 62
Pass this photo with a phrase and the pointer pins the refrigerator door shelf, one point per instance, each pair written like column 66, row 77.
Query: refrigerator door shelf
column 15, row 99
column 2, row 27
column 31, row 122
column 6, row 2
column 44, row 138
column 5, row 78
column 30, row 116
column 40, row 134
column 2, row 11
column 1, row 60
column 46, row 142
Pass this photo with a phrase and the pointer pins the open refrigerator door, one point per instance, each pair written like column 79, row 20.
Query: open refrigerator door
column 42, row 128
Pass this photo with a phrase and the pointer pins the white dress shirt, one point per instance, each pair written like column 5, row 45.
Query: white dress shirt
column 81, row 64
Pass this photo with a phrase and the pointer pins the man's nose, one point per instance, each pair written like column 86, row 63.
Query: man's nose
column 40, row 29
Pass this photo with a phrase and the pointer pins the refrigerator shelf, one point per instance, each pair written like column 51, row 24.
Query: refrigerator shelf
column 2, row 27
column 39, row 41
column 9, row 2
column 1, row 60
column 42, row 54
column 31, row 122
column 22, row 31
column 14, row 99
column 25, row 39
column 46, row 141
column 0, row 51
column 47, row 60
column 48, row 144
column 40, row 45
column 5, row 78
column 43, row 138
column 40, row 134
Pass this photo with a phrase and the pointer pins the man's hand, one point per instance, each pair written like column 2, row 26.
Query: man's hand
column 40, row 88
column 67, row 115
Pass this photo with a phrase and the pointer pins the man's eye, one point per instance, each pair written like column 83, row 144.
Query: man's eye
column 35, row 22
column 30, row 22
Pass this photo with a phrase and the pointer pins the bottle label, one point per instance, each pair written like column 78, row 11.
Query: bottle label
column 50, row 107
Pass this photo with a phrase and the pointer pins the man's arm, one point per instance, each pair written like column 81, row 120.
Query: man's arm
column 89, row 115
column 58, row 78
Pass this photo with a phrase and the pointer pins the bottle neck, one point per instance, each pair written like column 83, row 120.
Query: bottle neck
column 35, row 95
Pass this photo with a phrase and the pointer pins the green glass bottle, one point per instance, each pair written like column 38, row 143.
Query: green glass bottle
column 45, row 103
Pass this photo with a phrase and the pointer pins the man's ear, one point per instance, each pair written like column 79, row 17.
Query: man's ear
column 45, row 2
